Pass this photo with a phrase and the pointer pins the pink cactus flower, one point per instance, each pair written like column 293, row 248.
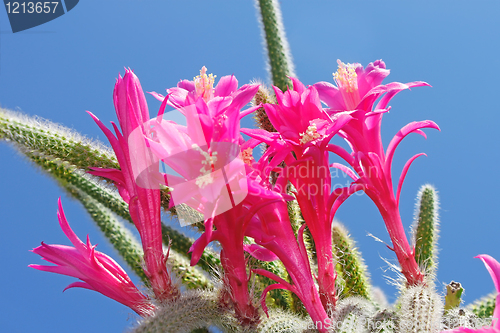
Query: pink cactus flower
column 211, row 175
column 249, row 206
column 268, row 223
column 141, row 193
column 224, row 97
column 356, row 92
column 305, row 129
column 493, row 268
column 98, row 271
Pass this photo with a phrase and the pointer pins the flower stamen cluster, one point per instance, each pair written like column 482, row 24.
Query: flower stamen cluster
column 310, row 134
column 204, row 84
column 347, row 81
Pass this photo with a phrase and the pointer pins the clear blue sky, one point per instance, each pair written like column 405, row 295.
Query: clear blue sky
column 67, row 66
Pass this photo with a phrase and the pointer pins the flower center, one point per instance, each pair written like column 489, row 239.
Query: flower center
column 208, row 167
column 347, row 82
column 204, row 84
column 310, row 134
column 247, row 156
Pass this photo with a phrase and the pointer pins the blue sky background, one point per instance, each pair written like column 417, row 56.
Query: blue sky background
column 67, row 66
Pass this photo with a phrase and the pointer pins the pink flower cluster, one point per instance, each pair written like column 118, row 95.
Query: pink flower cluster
column 214, row 171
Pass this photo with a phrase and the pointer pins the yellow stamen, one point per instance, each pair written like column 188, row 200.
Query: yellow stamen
column 310, row 134
column 247, row 156
column 208, row 167
column 346, row 77
column 347, row 82
column 204, row 84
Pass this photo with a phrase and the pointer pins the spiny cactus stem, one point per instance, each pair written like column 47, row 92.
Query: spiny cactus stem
column 278, row 51
column 350, row 264
column 426, row 230
column 484, row 307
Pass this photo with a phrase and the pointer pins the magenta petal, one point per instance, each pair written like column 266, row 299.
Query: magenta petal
column 403, row 174
column 279, row 95
column 159, row 97
column 55, row 269
column 297, row 85
column 246, row 112
column 302, row 246
column 197, row 248
column 112, row 139
column 226, row 86
column 409, row 128
column 395, row 88
column 472, row 330
column 493, row 268
column 259, row 252
column 96, row 270
column 244, row 95
column 341, row 152
column 264, row 293
column 348, row 171
column 78, row 285
column 111, row 174
column 371, row 76
column 178, row 98
column 260, row 134
column 130, row 102
column 331, row 95
column 276, row 278
column 77, row 243
column 186, row 85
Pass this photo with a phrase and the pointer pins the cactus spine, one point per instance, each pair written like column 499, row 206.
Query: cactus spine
column 280, row 64
column 195, row 309
column 350, row 266
column 421, row 310
column 426, row 229
column 484, row 307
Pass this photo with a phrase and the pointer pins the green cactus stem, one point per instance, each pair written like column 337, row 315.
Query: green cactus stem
column 421, row 310
column 484, row 307
column 350, row 265
column 191, row 276
column 41, row 135
column 352, row 315
column 61, row 143
column 280, row 63
column 426, row 230
column 195, row 309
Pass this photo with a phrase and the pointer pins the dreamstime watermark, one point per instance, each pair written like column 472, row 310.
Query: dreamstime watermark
column 24, row 15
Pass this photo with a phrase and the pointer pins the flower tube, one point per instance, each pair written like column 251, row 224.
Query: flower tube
column 356, row 92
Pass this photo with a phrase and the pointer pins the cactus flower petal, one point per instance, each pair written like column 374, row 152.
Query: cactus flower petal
column 141, row 193
column 96, row 270
column 356, row 92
